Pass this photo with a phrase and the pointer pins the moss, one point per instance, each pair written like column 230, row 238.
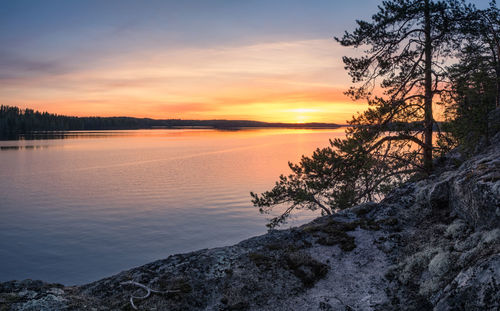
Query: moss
column 10, row 298
column 392, row 221
column 274, row 246
column 457, row 162
column 482, row 166
column 334, row 232
column 348, row 226
column 311, row 228
column 306, row 268
column 362, row 211
column 298, row 244
column 260, row 260
column 166, row 282
column 370, row 225
column 7, row 299
column 241, row 305
column 127, row 307
column 345, row 241
column 389, row 275
column 184, row 287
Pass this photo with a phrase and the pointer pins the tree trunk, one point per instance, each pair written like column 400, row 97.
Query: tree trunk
column 428, row 121
column 497, row 69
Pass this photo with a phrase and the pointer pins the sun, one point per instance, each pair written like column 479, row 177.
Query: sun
column 302, row 119
column 302, row 115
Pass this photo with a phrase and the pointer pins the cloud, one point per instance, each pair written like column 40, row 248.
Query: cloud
column 258, row 81
column 185, row 108
column 15, row 66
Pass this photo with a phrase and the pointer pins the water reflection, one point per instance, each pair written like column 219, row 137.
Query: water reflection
column 178, row 131
column 28, row 147
column 63, row 135
column 95, row 203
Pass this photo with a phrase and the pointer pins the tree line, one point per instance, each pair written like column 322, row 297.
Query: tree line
column 15, row 121
column 417, row 55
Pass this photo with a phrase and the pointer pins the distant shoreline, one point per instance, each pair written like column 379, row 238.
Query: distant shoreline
column 15, row 121
column 62, row 134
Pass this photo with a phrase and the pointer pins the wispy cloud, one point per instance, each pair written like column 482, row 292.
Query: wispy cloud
column 190, row 82
column 15, row 67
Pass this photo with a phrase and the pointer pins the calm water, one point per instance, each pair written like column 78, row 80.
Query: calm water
column 77, row 209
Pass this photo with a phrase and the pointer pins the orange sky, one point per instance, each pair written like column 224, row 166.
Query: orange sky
column 296, row 81
column 222, row 59
column 260, row 60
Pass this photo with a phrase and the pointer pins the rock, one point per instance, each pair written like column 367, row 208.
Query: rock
column 439, row 264
column 471, row 191
column 457, row 229
column 430, row 244
column 475, row 192
column 46, row 303
column 476, row 288
column 439, row 194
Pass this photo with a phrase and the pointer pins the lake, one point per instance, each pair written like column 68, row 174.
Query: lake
column 87, row 205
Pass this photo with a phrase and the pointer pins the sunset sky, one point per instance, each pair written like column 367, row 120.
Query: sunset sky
column 219, row 59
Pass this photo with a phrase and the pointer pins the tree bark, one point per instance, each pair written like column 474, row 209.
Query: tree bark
column 497, row 69
column 428, row 121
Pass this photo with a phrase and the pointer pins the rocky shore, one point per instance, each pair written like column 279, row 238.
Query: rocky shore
column 431, row 244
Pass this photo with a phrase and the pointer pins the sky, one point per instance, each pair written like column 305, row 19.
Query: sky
column 263, row 60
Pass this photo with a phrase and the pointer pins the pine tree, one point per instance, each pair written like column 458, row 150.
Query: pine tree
column 407, row 42
column 401, row 74
column 475, row 81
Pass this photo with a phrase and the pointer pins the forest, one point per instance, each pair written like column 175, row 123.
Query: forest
column 15, row 121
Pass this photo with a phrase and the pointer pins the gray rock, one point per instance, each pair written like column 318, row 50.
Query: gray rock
column 46, row 303
column 475, row 288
